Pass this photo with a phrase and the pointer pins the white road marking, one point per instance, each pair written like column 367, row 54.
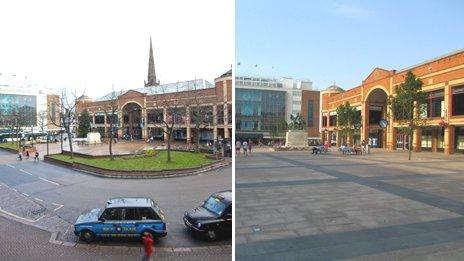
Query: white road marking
column 54, row 183
column 23, row 171
column 38, row 199
column 27, row 195
column 59, row 206
column 13, row 215
column 11, row 166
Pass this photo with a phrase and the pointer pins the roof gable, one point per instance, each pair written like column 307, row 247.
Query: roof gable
column 377, row 74
column 131, row 94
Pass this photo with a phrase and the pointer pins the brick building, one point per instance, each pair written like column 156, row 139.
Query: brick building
column 310, row 110
column 143, row 112
column 443, row 81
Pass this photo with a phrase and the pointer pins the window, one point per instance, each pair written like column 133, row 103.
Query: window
column 148, row 213
column 458, row 100
column 53, row 112
column 324, row 121
column 220, row 114
column 131, row 214
column 310, row 112
column 426, row 140
column 214, row 205
column 99, row 119
column 112, row 214
column 155, row 116
column 375, row 116
column 459, row 138
column 434, row 104
column 333, row 120
column 112, row 119
column 229, row 113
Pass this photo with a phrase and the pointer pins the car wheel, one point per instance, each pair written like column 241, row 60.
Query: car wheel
column 87, row 236
column 211, row 235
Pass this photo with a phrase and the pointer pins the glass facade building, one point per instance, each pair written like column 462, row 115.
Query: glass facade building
column 25, row 106
column 258, row 110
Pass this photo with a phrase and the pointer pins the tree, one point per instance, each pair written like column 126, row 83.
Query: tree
column 175, row 113
column 111, row 115
column 297, row 122
column 406, row 106
column 67, row 110
column 84, row 124
column 347, row 118
column 42, row 123
column 201, row 115
column 14, row 121
column 279, row 128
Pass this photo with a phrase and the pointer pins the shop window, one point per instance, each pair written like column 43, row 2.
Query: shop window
column 440, row 139
column 426, row 140
column 458, row 100
column 459, row 138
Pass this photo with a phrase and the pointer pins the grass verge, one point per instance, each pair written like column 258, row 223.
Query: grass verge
column 9, row 145
column 180, row 160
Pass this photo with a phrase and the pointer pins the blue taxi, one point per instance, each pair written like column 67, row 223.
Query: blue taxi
column 122, row 217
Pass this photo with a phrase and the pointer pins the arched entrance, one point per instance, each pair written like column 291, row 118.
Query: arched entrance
column 132, row 120
column 376, row 110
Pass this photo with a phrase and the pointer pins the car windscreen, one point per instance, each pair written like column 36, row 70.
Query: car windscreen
column 214, row 205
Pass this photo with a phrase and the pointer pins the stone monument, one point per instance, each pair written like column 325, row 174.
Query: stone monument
column 93, row 138
column 296, row 136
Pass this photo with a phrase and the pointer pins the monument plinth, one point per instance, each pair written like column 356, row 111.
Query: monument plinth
column 296, row 139
column 93, row 138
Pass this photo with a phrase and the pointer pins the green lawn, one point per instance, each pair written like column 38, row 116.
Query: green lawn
column 180, row 160
column 10, row 145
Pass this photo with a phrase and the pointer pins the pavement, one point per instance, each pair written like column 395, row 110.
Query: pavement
column 298, row 206
column 23, row 242
column 51, row 198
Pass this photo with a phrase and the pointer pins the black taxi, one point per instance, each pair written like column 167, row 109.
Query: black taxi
column 213, row 217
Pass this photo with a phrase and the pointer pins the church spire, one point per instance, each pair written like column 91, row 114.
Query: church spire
column 151, row 80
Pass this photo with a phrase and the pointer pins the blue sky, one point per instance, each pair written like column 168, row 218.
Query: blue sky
column 342, row 41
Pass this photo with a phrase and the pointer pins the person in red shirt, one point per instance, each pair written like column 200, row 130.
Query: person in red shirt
column 250, row 144
column 148, row 246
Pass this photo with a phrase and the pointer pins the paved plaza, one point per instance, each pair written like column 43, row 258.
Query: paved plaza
column 295, row 206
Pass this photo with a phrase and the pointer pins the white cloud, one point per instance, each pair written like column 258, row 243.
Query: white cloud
column 351, row 11
column 92, row 44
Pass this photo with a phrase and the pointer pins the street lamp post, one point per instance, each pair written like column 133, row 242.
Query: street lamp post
column 32, row 136
column 61, row 138
column 48, row 138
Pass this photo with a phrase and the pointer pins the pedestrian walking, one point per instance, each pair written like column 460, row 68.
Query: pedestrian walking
column 363, row 145
column 250, row 144
column 148, row 246
column 36, row 156
column 326, row 146
column 20, row 156
column 238, row 146
column 245, row 148
column 27, row 154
